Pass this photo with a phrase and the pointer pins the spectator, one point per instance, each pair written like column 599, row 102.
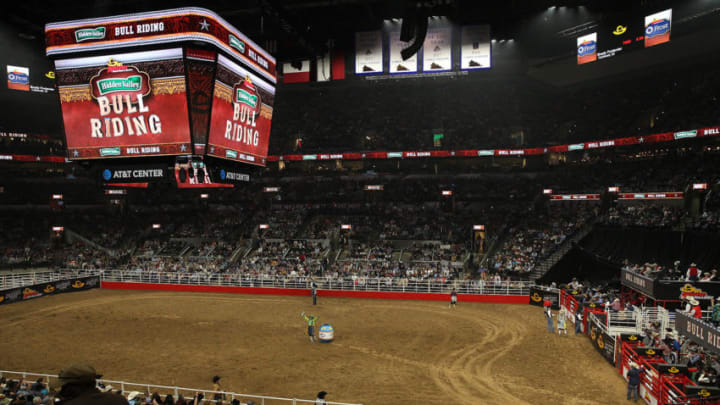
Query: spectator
column 78, row 388
column 320, row 400
column 633, row 376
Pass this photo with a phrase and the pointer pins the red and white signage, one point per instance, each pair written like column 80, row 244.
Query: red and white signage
column 700, row 186
column 346, row 226
column 124, row 105
column 264, row 226
column 478, row 227
column 574, row 197
column 651, row 196
column 242, row 111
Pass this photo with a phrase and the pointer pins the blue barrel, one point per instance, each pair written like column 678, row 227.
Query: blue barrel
column 327, row 333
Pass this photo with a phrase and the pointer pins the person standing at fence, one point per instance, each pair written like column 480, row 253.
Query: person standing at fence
column 561, row 320
column 311, row 322
column 313, row 286
column 219, row 394
column 578, row 321
column 453, row 298
column 633, row 376
column 696, row 310
column 320, row 400
column 548, row 316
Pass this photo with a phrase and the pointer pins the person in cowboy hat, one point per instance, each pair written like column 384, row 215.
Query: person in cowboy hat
column 696, row 310
column 77, row 387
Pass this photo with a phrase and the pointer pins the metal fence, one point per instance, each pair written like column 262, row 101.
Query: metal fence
column 146, row 390
column 387, row 284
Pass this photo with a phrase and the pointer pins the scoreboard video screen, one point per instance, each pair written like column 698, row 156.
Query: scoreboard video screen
column 242, row 111
column 125, row 104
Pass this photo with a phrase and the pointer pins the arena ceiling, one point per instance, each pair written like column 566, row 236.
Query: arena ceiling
column 293, row 29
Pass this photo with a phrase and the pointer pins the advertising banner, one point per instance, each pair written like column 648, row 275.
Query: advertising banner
column 51, row 288
column 538, row 296
column 657, row 28
column 18, row 78
column 587, row 48
column 241, row 114
column 475, row 49
column 368, row 52
column 703, row 333
column 603, row 343
column 397, row 64
column 437, row 50
column 123, row 105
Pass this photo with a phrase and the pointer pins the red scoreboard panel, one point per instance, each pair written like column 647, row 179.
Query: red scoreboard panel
column 242, row 110
column 125, row 104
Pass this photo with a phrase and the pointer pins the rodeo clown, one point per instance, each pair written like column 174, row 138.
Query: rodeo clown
column 311, row 322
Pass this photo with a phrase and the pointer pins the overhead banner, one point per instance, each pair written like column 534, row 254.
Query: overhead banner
column 18, row 78
column 475, row 49
column 587, row 48
column 292, row 74
column 657, row 28
column 123, row 105
column 368, row 52
column 52, row 288
column 437, row 50
column 397, row 64
column 242, row 111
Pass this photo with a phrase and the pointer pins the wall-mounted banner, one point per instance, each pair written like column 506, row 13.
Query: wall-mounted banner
column 397, row 64
column 50, row 288
column 368, row 52
column 437, row 50
column 475, row 49
column 657, row 28
column 587, row 48
column 18, row 78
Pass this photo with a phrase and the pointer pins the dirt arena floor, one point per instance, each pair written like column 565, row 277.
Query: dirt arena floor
column 385, row 352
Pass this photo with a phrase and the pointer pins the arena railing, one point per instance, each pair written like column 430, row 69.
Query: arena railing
column 15, row 280
column 146, row 390
column 477, row 287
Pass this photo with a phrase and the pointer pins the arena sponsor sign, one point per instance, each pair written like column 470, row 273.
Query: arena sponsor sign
column 574, row 197
column 124, row 105
column 703, row 333
column 132, row 174
column 18, row 78
column 538, row 296
column 668, row 289
column 657, row 28
column 43, row 289
column 232, row 176
column 242, row 110
column 158, row 27
column 587, row 48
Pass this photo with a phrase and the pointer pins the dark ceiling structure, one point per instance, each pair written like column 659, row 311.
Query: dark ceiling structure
column 296, row 29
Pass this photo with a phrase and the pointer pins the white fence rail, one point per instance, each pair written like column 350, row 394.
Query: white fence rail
column 342, row 284
column 148, row 389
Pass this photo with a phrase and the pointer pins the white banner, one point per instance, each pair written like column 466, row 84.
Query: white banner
column 587, row 48
column 397, row 64
column 657, row 28
column 368, row 52
column 475, row 51
column 437, row 50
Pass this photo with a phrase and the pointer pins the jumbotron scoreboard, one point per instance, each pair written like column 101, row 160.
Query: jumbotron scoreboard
column 180, row 82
